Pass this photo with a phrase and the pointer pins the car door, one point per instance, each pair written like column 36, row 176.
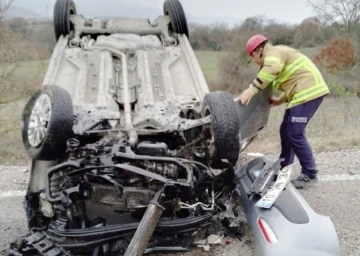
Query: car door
column 254, row 116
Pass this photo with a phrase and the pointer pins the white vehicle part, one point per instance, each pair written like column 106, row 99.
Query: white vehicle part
column 163, row 80
column 46, row 207
column 88, row 77
column 267, row 231
column 205, row 207
column 39, row 120
column 133, row 138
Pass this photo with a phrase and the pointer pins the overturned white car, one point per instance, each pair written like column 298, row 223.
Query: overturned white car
column 131, row 152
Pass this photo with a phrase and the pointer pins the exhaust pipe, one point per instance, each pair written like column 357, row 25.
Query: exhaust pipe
column 133, row 137
column 146, row 228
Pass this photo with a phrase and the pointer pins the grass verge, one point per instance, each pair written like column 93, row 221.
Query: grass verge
column 333, row 127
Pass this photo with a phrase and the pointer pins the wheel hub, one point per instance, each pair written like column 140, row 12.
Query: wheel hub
column 39, row 120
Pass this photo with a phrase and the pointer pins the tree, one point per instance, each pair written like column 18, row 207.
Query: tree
column 346, row 12
column 209, row 37
column 14, row 51
column 338, row 54
column 4, row 8
column 279, row 33
column 219, row 35
column 43, row 37
column 309, row 33
column 20, row 26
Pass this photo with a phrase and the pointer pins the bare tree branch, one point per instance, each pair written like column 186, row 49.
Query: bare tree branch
column 345, row 11
column 5, row 6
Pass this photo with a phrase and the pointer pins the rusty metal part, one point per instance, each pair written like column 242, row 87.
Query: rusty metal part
column 168, row 170
column 131, row 155
column 139, row 27
column 137, row 197
column 50, row 173
column 146, row 227
column 108, row 195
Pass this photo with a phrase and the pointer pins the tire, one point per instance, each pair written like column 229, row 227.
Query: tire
column 174, row 9
column 62, row 11
column 225, row 127
column 56, row 124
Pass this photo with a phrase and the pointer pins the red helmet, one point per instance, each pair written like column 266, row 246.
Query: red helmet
column 254, row 42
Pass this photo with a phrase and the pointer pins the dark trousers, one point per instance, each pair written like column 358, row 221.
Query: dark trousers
column 293, row 140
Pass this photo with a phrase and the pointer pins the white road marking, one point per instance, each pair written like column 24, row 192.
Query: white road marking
column 255, row 154
column 10, row 168
column 339, row 177
column 13, row 193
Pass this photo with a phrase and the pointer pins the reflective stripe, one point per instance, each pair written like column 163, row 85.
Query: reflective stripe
column 308, row 93
column 311, row 70
column 276, row 84
column 315, row 71
column 289, row 70
column 265, row 76
column 274, row 59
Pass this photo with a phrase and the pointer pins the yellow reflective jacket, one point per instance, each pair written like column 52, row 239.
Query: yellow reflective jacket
column 291, row 72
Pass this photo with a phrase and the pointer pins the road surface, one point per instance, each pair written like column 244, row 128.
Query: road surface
column 337, row 194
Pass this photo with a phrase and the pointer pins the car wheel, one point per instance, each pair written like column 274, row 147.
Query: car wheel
column 224, row 137
column 47, row 122
column 174, row 9
column 62, row 11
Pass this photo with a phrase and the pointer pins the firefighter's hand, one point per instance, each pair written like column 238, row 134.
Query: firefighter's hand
column 275, row 102
column 245, row 97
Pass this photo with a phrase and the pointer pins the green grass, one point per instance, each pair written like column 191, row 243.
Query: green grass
column 33, row 67
column 311, row 51
column 334, row 126
column 210, row 63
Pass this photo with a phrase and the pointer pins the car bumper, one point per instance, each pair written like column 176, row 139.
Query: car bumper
column 298, row 229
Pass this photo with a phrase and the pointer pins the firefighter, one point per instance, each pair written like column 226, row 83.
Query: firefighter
column 302, row 87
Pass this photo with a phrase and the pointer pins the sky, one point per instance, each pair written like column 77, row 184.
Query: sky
column 199, row 11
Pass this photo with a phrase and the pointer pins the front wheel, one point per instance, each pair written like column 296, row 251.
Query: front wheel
column 47, row 122
column 225, row 129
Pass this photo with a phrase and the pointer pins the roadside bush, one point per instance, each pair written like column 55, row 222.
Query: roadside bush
column 236, row 71
column 336, row 55
column 20, row 74
column 308, row 33
column 343, row 84
column 14, row 52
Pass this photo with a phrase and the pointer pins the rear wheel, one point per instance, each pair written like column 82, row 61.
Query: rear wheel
column 174, row 9
column 47, row 122
column 62, row 12
column 224, row 141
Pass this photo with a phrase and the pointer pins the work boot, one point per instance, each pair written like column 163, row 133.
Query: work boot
column 303, row 181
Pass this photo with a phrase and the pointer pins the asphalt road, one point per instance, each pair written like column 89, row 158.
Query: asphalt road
column 337, row 194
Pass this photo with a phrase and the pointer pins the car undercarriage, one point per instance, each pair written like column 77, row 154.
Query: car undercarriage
column 105, row 195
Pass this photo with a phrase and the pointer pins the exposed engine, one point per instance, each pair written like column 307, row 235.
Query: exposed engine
column 103, row 191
